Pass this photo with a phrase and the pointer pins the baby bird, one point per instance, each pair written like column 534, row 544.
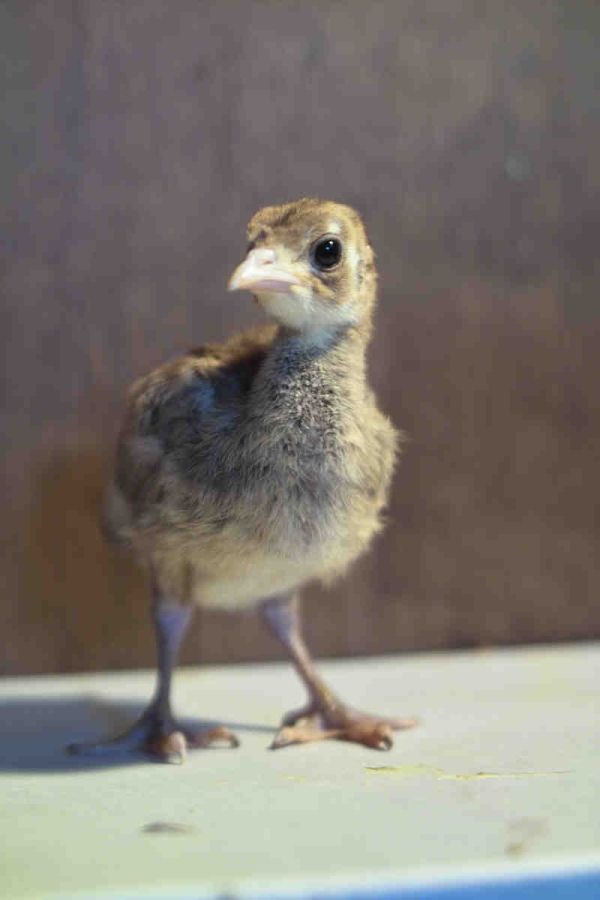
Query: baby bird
column 246, row 469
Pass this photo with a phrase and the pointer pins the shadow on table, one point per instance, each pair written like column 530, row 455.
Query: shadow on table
column 35, row 732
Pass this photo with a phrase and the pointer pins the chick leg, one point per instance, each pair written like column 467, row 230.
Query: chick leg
column 157, row 731
column 325, row 715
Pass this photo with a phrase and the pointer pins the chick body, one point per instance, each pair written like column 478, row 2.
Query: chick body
column 248, row 468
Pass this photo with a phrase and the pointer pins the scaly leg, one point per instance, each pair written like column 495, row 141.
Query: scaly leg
column 157, row 731
column 325, row 715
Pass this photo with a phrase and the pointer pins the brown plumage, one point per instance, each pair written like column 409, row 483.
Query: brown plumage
column 246, row 469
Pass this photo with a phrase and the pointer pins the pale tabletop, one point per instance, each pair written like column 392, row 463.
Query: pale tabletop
column 496, row 793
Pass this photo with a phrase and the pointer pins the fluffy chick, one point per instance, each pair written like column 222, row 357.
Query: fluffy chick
column 247, row 469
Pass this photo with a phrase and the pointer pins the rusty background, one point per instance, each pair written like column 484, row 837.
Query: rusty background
column 138, row 138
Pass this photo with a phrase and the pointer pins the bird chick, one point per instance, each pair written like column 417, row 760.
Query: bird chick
column 246, row 469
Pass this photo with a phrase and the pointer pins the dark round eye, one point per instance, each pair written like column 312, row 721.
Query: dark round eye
column 327, row 253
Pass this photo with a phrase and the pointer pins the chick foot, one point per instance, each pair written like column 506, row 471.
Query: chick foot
column 325, row 716
column 161, row 737
column 314, row 723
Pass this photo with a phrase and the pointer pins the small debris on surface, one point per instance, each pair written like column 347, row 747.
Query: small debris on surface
column 168, row 828
column 524, row 832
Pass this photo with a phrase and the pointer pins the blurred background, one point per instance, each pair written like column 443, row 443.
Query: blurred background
column 137, row 140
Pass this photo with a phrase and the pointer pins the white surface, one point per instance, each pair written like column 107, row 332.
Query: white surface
column 502, row 777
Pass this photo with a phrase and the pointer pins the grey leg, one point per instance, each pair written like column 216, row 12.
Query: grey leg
column 157, row 731
column 325, row 715
column 170, row 625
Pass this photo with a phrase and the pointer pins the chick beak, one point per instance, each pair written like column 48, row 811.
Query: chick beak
column 260, row 273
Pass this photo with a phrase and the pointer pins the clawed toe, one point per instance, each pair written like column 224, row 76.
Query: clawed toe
column 312, row 724
column 302, row 734
column 170, row 748
column 377, row 735
column 173, row 748
column 208, row 737
column 165, row 743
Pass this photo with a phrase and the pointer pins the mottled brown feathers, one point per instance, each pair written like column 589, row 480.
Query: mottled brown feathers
column 246, row 468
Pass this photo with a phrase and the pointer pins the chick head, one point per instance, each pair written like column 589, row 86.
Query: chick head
column 309, row 265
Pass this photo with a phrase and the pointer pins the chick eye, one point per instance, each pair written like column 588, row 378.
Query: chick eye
column 327, row 253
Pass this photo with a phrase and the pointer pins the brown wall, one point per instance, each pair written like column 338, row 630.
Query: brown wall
column 137, row 140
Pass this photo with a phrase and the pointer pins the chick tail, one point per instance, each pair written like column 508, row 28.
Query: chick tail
column 116, row 521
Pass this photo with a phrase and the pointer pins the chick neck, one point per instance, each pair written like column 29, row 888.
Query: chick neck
column 314, row 364
column 317, row 332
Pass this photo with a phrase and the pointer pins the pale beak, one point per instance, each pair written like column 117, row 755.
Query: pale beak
column 259, row 273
